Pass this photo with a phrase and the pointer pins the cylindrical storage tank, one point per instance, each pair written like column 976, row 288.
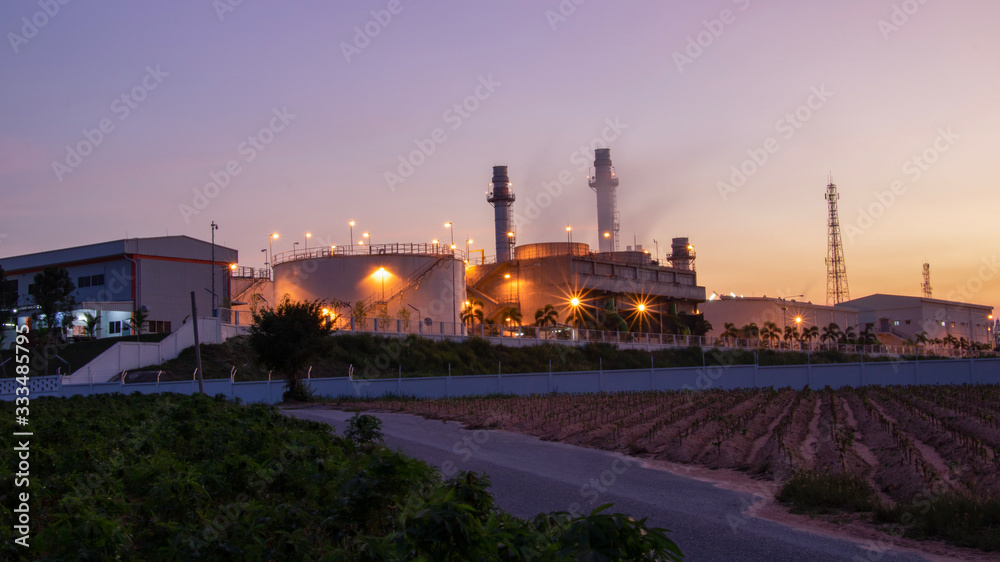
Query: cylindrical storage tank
column 550, row 249
column 431, row 288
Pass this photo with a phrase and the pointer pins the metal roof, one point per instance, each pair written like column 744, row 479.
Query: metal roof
column 178, row 247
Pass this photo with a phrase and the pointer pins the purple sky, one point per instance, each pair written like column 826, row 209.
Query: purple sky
column 893, row 91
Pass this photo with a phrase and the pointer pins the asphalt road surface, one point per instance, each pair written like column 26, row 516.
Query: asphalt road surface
column 531, row 476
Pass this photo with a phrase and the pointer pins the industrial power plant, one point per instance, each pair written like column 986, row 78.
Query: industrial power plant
column 435, row 288
column 540, row 289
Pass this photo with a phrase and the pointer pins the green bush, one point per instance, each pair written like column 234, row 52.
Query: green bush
column 170, row 477
column 956, row 517
column 826, row 492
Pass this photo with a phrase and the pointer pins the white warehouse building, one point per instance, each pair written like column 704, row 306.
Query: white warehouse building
column 904, row 317
column 114, row 278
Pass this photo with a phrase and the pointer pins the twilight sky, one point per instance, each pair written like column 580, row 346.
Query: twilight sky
column 312, row 115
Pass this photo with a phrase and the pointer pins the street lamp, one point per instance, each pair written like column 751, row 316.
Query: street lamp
column 369, row 237
column 351, row 223
column 214, row 228
column 293, row 248
column 454, row 301
column 784, row 306
column 270, row 246
column 569, row 234
column 308, row 236
column 452, row 232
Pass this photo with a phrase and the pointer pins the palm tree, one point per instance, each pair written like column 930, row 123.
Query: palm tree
column 512, row 315
column 770, row 332
column 920, row 338
column 91, row 324
column 546, row 315
column 849, row 336
column 831, row 333
column 473, row 312
column 810, row 333
column 791, row 333
column 138, row 320
column 730, row 332
column 867, row 336
column 952, row 341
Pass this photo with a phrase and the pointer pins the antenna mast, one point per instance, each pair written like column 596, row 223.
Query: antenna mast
column 836, row 268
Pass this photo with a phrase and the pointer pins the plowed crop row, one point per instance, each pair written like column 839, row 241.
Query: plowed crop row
column 900, row 439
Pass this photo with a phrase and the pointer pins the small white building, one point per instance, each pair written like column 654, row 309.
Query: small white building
column 114, row 278
column 905, row 317
column 741, row 311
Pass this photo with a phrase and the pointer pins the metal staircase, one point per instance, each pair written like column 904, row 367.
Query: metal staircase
column 410, row 282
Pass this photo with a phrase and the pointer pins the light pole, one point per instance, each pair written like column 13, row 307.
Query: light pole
column 293, row 248
column 454, row 300
column 369, row 237
column 467, row 242
column 569, row 234
column 308, row 236
column 270, row 247
column 784, row 310
column 351, row 223
column 214, row 228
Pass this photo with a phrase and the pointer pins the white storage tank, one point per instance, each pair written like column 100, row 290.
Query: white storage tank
column 420, row 287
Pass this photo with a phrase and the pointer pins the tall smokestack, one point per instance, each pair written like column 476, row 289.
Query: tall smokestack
column 603, row 180
column 501, row 196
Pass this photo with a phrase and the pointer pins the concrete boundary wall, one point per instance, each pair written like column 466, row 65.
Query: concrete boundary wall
column 956, row 371
column 129, row 356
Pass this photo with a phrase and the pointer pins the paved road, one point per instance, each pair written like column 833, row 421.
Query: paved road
column 532, row 476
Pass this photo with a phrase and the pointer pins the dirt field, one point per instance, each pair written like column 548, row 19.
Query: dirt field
column 903, row 440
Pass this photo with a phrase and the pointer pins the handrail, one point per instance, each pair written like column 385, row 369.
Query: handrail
column 425, row 249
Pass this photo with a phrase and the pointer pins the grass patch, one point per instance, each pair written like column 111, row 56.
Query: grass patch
column 827, row 492
column 955, row 517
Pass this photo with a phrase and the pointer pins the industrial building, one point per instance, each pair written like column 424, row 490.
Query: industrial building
column 427, row 287
column 904, row 317
column 114, row 278
column 609, row 289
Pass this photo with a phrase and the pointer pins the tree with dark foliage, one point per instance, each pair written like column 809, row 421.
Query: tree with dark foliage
column 286, row 337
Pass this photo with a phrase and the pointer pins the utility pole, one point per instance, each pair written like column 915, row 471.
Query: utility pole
column 197, row 347
column 214, row 228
